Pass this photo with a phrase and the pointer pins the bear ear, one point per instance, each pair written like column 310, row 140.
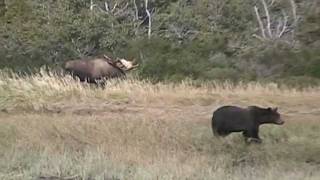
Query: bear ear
column 275, row 109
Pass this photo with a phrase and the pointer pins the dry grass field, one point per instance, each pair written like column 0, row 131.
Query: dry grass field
column 54, row 128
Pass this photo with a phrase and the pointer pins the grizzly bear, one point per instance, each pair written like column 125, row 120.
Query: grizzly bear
column 228, row 119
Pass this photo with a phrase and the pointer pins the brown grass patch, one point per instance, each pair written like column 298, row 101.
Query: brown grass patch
column 54, row 127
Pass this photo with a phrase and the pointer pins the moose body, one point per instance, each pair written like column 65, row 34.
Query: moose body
column 97, row 69
column 228, row 119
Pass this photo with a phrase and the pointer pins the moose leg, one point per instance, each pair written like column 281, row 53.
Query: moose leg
column 102, row 84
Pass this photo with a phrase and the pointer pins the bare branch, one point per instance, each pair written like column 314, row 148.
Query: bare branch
column 176, row 32
column 149, row 17
column 259, row 37
column 106, row 5
column 279, row 26
column 271, row 3
column 284, row 27
column 294, row 11
column 114, row 7
column 136, row 10
column 276, row 26
column 142, row 21
column 260, row 22
column 268, row 17
column 136, row 17
column 121, row 10
column 92, row 5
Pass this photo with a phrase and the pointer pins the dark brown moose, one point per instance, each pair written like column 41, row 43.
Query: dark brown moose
column 99, row 69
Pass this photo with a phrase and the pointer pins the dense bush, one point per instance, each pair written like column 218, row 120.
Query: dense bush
column 202, row 39
column 163, row 59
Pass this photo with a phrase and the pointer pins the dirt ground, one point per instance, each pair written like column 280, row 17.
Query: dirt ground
column 155, row 133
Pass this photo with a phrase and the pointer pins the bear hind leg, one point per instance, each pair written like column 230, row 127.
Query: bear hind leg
column 223, row 133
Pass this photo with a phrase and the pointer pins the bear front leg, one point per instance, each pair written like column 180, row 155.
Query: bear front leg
column 252, row 136
column 246, row 136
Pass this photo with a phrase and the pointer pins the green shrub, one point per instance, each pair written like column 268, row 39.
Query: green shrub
column 222, row 74
column 199, row 40
column 163, row 59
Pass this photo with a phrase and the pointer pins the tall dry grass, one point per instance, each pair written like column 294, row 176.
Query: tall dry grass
column 54, row 127
column 45, row 88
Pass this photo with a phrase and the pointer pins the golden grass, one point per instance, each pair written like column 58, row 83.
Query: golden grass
column 46, row 88
column 52, row 126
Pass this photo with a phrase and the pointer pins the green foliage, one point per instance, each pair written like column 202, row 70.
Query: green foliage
column 202, row 39
column 2, row 8
column 163, row 59
column 237, row 15
column 310, row 27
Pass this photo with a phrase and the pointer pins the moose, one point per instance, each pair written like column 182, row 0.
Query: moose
column 99, row 69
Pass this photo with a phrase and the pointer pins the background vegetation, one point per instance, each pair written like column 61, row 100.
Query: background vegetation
column 52, row 127
column 197, row 39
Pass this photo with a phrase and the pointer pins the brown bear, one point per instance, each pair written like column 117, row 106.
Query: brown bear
column 228, row 119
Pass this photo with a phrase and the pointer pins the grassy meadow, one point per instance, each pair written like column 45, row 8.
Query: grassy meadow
column 55, row 128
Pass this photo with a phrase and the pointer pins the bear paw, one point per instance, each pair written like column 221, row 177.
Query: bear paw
column 253, row 140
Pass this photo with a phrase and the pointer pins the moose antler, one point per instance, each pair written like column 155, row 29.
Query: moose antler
column 109, row 60
column 133, row 66
column 107, row 57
